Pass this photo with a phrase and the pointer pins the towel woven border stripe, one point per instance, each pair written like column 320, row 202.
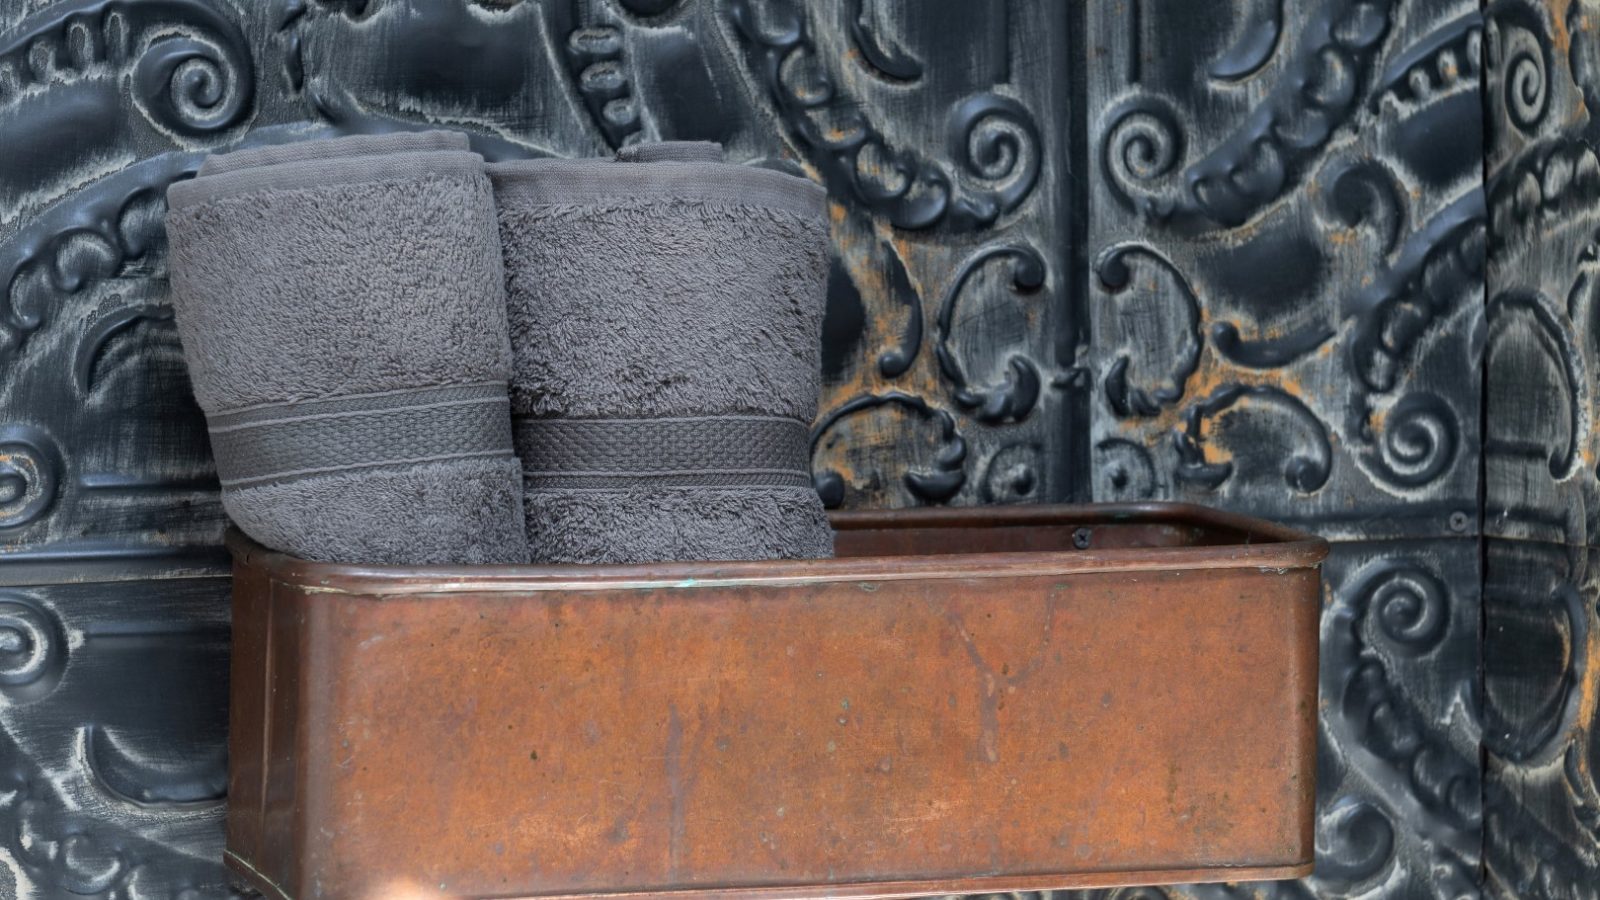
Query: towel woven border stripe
column 697, row 451
column 277, row 443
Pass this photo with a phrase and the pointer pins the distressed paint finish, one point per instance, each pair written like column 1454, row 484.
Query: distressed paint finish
column 1541, row 684
column 1285, row 264
column 952, row 328
column 1231, row 252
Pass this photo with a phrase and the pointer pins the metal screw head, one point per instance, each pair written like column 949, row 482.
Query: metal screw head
column 1080, row 538
column 1459, row 521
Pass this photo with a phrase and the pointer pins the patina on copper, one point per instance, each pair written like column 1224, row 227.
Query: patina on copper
column 966, row 700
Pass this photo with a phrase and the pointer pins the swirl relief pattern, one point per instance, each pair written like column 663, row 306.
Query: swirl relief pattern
column 1286, row 291
column 1238, row 252
column 951, row 339
column 1541, row 679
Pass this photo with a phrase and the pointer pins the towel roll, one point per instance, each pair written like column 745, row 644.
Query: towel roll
column 342, row 310
column 666, row 312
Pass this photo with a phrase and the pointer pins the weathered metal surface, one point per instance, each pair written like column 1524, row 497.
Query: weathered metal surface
column 1047, row 291
column 1541, row 680
column 1131, row 699
column 1286, row 262
column 952, row 335
column 1285, row 256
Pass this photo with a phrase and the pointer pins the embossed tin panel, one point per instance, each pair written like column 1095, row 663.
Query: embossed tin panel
column 1286, row 252
column 952, row 344
column 1541, row 680
column 1327, row 261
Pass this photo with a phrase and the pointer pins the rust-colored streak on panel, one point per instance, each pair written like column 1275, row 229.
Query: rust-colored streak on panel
column 862, row 731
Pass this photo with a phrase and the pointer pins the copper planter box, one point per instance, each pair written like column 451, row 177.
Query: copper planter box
column 965, row 701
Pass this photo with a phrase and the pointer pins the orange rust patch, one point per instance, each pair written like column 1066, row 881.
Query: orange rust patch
column 860, row 251
column 1560, row 37
column 1379, row 419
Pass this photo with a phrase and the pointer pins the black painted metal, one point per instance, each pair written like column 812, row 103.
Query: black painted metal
column 1287, row 238
column 1541, row 681
column 1243, row 252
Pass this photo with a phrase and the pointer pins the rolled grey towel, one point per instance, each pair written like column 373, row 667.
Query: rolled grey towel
column 666, row 311
column 342, row 309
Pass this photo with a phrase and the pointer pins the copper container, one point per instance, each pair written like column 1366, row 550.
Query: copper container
column 972, row 700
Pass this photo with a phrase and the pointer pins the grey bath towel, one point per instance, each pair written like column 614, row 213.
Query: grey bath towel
column 342, row 309
column 665, row 316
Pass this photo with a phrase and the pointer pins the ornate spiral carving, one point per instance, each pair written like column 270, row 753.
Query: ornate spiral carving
column 192, row 87
column 1409, row 604
column 1420, row 437
column 996, row 140
column 930, row 485
column 1143, row 144
column 30, row 470
column 191, row 65
column 1360, row 842
column 1116, row 277
column 1306, row 471
column 33, row 648
column 994, row 146
column 1366, row 192
column 1526, row 86
column 1271, row 149
column 1015, row 397
column 849, row 152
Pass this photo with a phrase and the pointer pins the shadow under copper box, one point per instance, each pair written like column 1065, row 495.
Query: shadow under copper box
column 974, row 700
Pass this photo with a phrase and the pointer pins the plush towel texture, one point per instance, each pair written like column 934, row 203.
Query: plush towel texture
column 682, row 297
column 341, row 305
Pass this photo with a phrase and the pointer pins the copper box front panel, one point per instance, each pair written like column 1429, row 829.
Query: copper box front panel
column 856, row 727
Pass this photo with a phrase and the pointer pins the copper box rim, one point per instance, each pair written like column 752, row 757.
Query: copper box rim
column 1267, row 545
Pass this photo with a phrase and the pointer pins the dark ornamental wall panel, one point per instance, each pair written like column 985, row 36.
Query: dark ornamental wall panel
column 1286, row 259
column 1286, row 245
column 1541, row 679
column 113, row 611
column 953, row 327
column 1332, row 262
